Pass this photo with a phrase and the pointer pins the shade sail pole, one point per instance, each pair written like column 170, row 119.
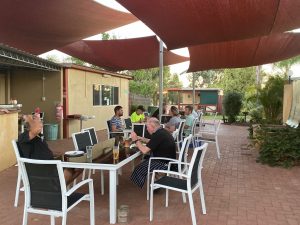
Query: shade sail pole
column 257, row 83
column 161, row 75
column 194, row 91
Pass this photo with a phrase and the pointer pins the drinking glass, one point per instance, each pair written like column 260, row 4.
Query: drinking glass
column 89, row 154
column 116, row 152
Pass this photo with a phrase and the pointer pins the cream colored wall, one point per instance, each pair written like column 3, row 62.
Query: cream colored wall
column 26, row 86
column 80, row 95
column 9, row 131
column 2, row 88
column 287, row 101
column 189, row 100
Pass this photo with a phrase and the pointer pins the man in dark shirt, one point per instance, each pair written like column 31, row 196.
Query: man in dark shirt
column 32, row 145
column 161, row 144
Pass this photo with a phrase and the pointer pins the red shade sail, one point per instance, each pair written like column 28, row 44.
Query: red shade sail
column 125, row 54
column 191, row 22
column 40, row 26
column 244, row 53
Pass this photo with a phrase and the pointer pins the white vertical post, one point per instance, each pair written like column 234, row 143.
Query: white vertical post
column 257, row 82
column 194, row 91
column 161, row 80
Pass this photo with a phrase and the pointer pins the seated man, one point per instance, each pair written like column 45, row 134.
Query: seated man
column 174, row 122
column 138, row 116
column 188, row 119
column 117, row 124
column 33, row 146
column 161, row 144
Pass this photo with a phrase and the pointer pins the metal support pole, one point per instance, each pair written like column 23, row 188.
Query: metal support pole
column 161, row 77
column 194, row 97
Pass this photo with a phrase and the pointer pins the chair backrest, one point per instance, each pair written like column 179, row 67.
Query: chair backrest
column 81, row 140
column 44, row 183
column 165, row 119
column 16, row 150
column 139, row 129
column 217, row 126
column 175, row 134
column 146, row 133
column 93, row 134
column 184, row 148
column 128, row 123
column 108, row 128
column 194, row 173
column 193, row 128
column 181, row 128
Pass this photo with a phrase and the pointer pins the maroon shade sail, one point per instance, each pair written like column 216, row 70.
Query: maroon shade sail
column 123, row 54
column 244, row 53
column 191, row 22
column 40, row 26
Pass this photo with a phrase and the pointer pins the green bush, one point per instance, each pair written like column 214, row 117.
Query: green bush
column 232, row 104
column 256, row 114
column 279, row 146
column 271, row 98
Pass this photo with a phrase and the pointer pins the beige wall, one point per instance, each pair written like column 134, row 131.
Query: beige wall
column 2, row 88
column 27, row 87
column 287, row 101
column 187, row 98
column 80, row 95
column 9, row 131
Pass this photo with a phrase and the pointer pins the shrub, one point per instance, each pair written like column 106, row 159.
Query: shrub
column 279, row 147
column 271, row 98
column 232, row 104
column 256, row 114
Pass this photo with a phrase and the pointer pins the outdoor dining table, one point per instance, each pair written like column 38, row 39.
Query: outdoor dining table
column 107, row 162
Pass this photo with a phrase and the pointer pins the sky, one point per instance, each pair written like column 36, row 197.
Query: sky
column 139, row 29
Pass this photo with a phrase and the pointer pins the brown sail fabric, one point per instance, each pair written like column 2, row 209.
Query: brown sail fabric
column 244, row 53
column 192, row 22
column 122, row 54
column 40, row 26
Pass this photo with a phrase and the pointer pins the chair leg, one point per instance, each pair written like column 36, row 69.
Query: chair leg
column 25, row 216
column 92, row 206
column 18, row 188
column 183, row 197
column 102, row 181
column 83, row 174
column 94, row 171
column 151, row 203
column 167, row 197
column 148, row 186
column 217, row 146
column 64, row 219
column 52, row 219
column 192, row 208
column 90, row 173
column 202, row 198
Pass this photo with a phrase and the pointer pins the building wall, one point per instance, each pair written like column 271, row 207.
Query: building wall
column 7, row 155
column 26, row 85
column 80, row 98
column 187, row 98
column 2, row 88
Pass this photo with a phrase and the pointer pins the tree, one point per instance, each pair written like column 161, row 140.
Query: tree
column 75, row 60
column 271, row 98
column 202, row 78
column 52, row 58
column 146, row 82
column 173, row 82
column 232, row 104
column 286, row 65
column 107, row 36
column 238, row 80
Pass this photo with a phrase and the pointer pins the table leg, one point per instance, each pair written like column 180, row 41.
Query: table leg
column 112, row 196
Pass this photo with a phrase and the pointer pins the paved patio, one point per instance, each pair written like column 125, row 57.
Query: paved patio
column 238, row 191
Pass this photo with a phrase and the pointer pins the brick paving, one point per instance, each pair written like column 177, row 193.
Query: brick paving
column 238, row 191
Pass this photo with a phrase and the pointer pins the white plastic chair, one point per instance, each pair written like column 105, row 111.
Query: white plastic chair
column 181, row 158
column 46, row 192
column 209, row 136
column 19, row 179
column 184, row 183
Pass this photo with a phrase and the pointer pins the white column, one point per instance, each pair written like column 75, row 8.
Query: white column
column 161, row 80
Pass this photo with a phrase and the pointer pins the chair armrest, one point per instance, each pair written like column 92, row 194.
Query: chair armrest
column 159, row 158
column 68, row 193
column 169, row 172
column 116, row 132
column 177, row 163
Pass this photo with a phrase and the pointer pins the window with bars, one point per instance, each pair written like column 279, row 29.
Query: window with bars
column 105, row 95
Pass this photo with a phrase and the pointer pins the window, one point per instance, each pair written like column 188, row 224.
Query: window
column 105, row 95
